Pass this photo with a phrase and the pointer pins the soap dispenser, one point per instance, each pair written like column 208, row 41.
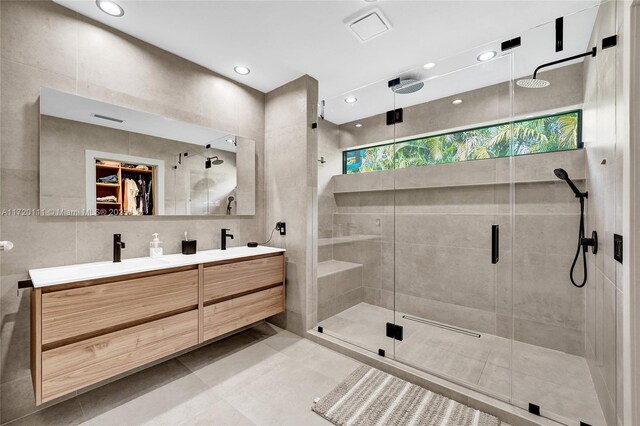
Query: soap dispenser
column 155, row 250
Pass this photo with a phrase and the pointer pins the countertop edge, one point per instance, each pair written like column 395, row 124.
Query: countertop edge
column 184, row 260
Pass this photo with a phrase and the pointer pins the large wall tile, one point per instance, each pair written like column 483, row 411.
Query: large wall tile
column 543, row 293
column 20, row 86
column 557, row 234
column 291, row 149
column 445, row 230
column 19, row 147
column 460, row 276
column 40, row 34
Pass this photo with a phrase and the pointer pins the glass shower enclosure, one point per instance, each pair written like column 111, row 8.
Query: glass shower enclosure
column 445, row 239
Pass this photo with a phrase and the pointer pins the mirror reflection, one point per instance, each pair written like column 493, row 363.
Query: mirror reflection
column 123, row 162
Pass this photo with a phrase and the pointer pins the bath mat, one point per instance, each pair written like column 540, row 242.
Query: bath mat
column 370, row 397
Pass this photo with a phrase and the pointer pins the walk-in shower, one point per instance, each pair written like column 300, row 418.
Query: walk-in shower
column 410, row 264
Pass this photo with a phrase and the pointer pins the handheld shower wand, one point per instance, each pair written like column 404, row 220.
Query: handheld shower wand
column 583, row 243
column 230, row 200
column 562, row 174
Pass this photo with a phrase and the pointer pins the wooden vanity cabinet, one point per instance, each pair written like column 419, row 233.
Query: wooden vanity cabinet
column 86, row 332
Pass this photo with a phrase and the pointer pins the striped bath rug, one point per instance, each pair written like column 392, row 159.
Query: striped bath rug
column 370, row 397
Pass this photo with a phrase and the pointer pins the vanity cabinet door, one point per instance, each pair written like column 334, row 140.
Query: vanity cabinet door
column 79, row 313
column 232, row 314
column 224, row 281
column 83, row 363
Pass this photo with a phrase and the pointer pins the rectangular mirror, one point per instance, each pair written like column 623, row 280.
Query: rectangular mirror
column 113, row 160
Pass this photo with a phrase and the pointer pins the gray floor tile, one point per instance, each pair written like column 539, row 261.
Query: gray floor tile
column 264, row 376
column 253, row 360
column 64, row 413
column 218, row 413
column 281, row 396
column 164, row 394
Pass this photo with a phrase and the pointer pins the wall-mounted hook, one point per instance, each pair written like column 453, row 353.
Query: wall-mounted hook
column 322, row 160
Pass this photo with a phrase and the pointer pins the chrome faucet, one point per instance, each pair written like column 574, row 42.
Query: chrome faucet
column 118, row 245
column 223, row 238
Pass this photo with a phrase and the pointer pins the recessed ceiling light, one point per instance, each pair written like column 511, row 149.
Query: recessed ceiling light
column 242, row 70
column 485, row 56
column 529, row 116
column 351, row 99
column 359, row 125
column 429, row 65
column 457, row 101
column 230, row 140
column 110, row 8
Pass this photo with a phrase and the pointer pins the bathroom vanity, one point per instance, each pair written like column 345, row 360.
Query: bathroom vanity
column 92, row 322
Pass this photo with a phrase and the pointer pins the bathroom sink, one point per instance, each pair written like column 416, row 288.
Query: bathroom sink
column 88, row 271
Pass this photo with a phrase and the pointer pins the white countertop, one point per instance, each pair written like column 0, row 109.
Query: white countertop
column 88, row 271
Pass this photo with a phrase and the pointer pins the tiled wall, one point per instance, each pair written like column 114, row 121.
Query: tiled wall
column 329, row 149
column 426, row 246
column 604, row 140
column 44, row 44
column 291, row 148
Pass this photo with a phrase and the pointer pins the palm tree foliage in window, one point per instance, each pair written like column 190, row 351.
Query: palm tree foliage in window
column 541, row 134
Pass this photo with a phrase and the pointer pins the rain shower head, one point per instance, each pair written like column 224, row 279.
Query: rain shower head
column 563, row 175
column 212, row 160
column 407, row 86
column 532, row 83
column 538, row 83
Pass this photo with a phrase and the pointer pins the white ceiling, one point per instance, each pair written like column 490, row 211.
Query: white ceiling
column 462, row 72
column 282, row 40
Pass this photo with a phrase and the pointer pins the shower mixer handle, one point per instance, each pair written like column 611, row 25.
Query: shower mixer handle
column 590, row 242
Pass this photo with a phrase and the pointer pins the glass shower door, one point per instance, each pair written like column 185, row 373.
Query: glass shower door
column 355, row 219
column 452, row 209
column 565, row 351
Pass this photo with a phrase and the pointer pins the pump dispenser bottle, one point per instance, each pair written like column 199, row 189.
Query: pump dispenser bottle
column 155, row 249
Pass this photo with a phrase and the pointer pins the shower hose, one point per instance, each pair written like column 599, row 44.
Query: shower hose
column 584, row 250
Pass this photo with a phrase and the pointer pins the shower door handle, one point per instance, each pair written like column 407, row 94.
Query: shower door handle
column 495, row 244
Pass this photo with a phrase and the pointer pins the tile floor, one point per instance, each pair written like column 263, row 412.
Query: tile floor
column 560, row 383
column 263, row 376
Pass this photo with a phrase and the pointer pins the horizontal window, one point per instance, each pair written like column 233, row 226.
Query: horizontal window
column 558, row 132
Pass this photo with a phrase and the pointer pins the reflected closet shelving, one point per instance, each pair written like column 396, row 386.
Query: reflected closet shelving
column 122, row 171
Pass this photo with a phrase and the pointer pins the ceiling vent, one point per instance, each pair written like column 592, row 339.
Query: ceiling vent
column 369, row 25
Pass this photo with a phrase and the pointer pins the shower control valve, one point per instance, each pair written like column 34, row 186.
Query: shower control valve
column 590, row 242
